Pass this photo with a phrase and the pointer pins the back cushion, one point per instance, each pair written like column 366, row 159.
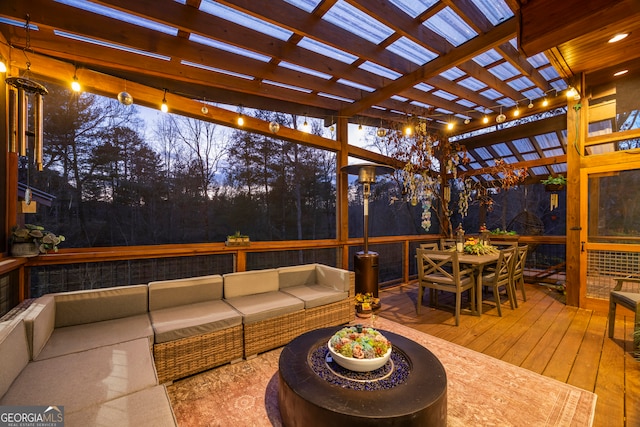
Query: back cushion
column 297, row 275
column 77, row 308
column 40, row 321
column 337, row 278
column 173, row 293
column 250, row 282
column 14, row 352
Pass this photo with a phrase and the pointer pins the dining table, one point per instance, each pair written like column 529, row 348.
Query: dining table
column 478, row 262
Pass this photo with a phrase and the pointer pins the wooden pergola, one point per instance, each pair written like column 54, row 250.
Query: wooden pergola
column 376, row 63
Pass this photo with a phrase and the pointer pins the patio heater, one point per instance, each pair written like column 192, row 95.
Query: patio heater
column 365, row 263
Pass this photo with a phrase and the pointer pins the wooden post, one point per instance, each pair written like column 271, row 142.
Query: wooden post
column 576, row 128
column 342, row 191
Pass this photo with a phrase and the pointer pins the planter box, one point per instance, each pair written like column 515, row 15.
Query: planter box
column 237, row 241
column 553, row 187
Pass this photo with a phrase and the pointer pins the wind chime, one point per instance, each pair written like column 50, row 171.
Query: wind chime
column 26, row 95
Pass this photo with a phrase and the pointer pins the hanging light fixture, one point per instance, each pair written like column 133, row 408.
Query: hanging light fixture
column 530, row 104
column 240, row 120
column 164, row 107
column 360, row 128
column 75, row 84
column 305, row 126
column 516, row 112
column 274, row 127
column 545, row 101
column 500, row 118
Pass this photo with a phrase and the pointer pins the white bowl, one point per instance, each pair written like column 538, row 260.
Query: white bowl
column 359, row 365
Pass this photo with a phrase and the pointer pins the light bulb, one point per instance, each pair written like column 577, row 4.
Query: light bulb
column 305, row 127
column 485, row 120
column 545, row 102
column 164, row 107
column 516, row 113
column 450, row 126
column 75, row 85
column 408, row 131
column 274, row 127
column 360, row 129
column 240, row 120
column 3, row 67
column 467, row 121
column 530, row 104
column 204, row 109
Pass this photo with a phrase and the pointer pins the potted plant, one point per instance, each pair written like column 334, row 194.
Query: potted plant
column 500, row 234
column 365, row 304
column 32, row 240
column 237, row 240
column 554, row 183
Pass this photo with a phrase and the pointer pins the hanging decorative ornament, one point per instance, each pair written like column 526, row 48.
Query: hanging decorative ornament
column 381, row 132
column 204, row 109
column 467, row 121
column 124, row 98
column 501, row 117
column 274, row 127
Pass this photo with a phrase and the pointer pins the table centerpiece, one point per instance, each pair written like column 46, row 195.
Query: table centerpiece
column 359, row 348
column 473, row 246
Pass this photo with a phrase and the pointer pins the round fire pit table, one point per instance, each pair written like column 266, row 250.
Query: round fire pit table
column 410, row 390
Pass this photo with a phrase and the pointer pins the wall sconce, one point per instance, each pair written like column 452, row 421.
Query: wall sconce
column 572, row 93
column 164, row 107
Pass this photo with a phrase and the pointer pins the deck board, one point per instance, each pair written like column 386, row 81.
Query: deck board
column 542, row 335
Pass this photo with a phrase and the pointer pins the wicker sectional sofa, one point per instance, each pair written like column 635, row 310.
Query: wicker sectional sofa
column 105, row 354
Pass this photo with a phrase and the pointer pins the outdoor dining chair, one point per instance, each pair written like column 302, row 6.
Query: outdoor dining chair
column 630, row 299
column 440, row 271
column 517, row 279
column 446, row 244
column 432, row 246
column 501, row 277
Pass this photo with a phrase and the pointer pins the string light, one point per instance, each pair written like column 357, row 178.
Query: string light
column 240, row 120
column 408, row 130
column 530, row 104
column 75, row 84
column 545, row 102
column 305, row 126
column 516, row 113
column 164, row 107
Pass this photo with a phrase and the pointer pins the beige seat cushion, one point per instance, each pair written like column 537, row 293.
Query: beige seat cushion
column 316, row 295
column 194, row 319
column 80, row 380
column 255, row 308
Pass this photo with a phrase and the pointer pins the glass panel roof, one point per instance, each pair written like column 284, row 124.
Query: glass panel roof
column 530, row 156
column 523, row 145
column 466, row 103
column 547, row 140
column 412, row 51
column 489, row 57
column 414, row 8
column 305, row 70
column 286, row 86
column 336, row 97
column 445, row 95
column 472, row 84
column 539, row 170
column 111, row 45
column 353, row 20
column 495, row 10
column 245, row 20
column 483, row 153
column 326, row 50
column 217, row 70
column 424, row 87
column 504, row 71
column 502, row 149
column 379, row 70
column 453, row 73
column 228, row 48
column 538, row 60
column 521, row 83
column 121, row 16
column 420, row 104
column 450, row 26
column 306, row 5
column 356, row 85
column 491, row 94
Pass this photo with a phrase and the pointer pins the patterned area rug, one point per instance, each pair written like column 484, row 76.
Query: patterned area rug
column 482, row 391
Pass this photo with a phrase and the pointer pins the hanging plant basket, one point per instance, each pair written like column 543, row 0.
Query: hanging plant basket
column 552, row 188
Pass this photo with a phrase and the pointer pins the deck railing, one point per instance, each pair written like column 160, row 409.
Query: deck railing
column 90, row 268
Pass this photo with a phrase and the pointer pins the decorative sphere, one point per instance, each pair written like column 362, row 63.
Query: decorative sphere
column 125, row 98
column 274, row 127
column 204, row 109
column 381, row 132
column 501, row 118
column 467, row 121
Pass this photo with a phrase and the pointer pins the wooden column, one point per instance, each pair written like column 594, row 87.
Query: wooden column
column 342, row 187
column 576, row 128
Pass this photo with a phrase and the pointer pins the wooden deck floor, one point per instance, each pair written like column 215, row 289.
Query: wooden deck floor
column 542, row 335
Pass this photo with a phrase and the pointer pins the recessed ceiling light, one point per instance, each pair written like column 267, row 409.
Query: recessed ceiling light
column 621, row 72
column 618, row 37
